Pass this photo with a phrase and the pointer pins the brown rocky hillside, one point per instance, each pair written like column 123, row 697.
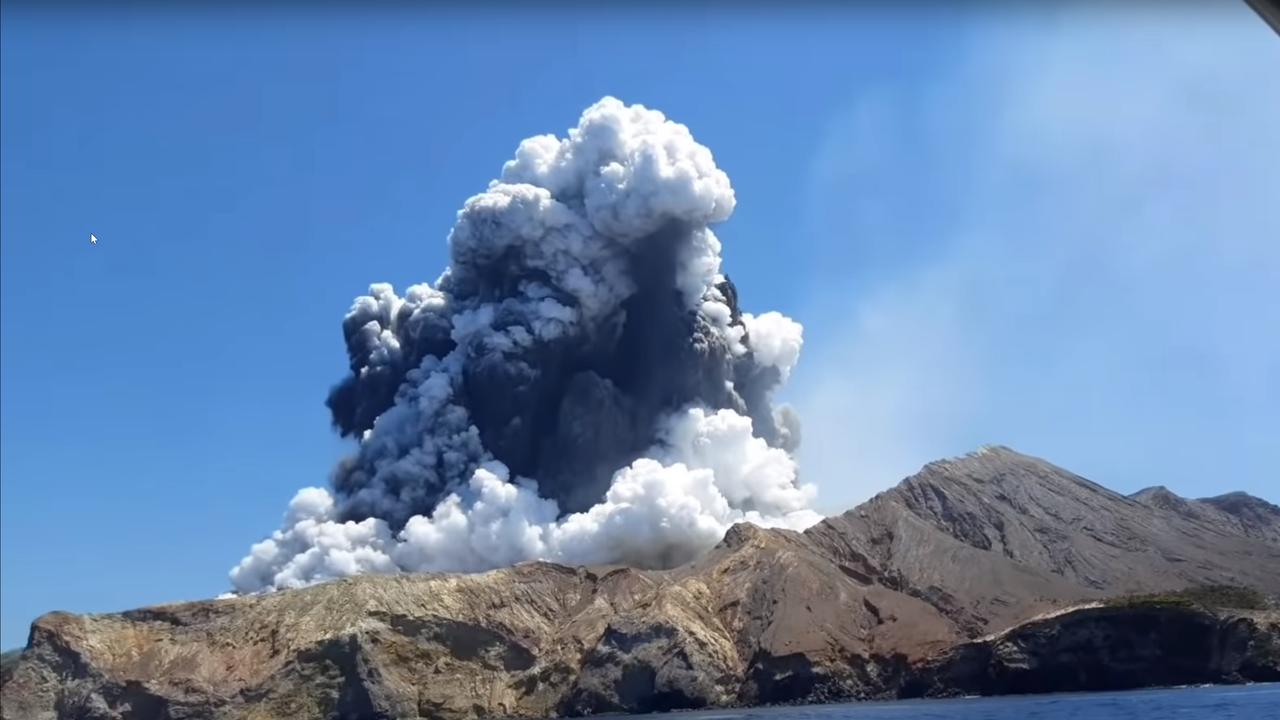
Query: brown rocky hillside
column 900, row 595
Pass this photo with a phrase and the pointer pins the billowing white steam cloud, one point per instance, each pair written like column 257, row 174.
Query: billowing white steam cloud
column 578, row 386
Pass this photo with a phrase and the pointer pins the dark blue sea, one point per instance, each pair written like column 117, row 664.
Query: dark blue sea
column 1239, row 702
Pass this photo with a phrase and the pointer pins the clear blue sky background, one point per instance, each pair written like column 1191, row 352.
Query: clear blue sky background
column 1057, row 231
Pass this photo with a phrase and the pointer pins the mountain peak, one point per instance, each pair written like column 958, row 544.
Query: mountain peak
column 1257, row 517
column 984, row 453
column 1041, row 531
column 1159, row 496
column 1234, row 512
column 1237, row 503
column 1008, row 470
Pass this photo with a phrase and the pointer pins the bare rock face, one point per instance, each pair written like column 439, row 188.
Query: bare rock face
column 1096, row 648
column 995, row 537
column 908, row 593
column 1234, row 513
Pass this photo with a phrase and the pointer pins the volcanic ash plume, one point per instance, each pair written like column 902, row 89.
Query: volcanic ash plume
column 579, row 385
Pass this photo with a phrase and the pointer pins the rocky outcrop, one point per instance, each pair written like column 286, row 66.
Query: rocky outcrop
column 1234, row 513
column 761, row 618
column 925, row 589
column 1110, row 648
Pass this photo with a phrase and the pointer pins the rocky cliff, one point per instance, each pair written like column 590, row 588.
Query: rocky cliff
column 1109, row 647
column 933, row 586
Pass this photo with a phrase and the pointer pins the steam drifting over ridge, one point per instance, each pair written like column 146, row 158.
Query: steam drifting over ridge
column 580, row 385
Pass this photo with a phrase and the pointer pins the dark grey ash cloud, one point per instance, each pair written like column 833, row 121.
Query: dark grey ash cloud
column 579, row 382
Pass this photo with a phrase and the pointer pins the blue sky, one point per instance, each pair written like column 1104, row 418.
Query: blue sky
column 1057, row 231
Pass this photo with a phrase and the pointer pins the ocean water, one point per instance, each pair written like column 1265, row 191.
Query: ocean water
column 1238, row 702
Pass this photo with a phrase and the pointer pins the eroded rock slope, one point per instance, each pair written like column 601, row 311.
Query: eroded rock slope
column 901, row 595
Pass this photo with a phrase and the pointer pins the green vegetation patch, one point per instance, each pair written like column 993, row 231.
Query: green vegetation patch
column 1212, row 597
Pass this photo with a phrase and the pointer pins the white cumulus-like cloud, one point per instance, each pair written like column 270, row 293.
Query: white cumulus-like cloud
column 660, row 511
column 580, row 384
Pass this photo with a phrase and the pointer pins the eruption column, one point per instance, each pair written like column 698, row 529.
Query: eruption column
column 579, row 385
